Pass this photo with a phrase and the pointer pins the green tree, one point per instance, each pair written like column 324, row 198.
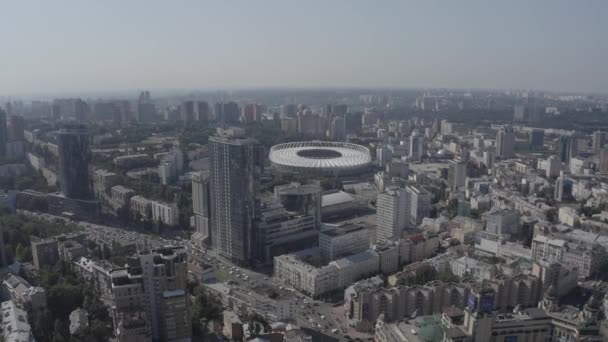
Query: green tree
column 64, row 298
column 205, row 307
column 551, row 215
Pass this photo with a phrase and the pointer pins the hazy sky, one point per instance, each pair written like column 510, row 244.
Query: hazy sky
column 85, row 45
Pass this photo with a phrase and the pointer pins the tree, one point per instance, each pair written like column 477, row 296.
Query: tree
column 205, row 307
column 64, row 298
column 42, row 324
column 551, row 215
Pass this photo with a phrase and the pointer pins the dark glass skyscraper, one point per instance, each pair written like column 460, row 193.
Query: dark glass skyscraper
column 567, row 148
column 235, row 163
column 74, row 158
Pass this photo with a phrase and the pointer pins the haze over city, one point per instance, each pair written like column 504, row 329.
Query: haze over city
column 303, row 171
column 74, row 47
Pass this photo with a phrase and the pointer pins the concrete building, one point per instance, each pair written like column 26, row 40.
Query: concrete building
column 501, row 221
column 298, row 271
column 21, row 292
column 505, row 143
column 568, row 216
column 15, row 327
column 103, row 180
column 603, row 160
column 303, row 199
column 44, row 252
column 457, row 173
column 552, row 167
column 469, row 267
column 79, row 322
column 120, row 195
column 419, row 201
column 234, row 163
column 392, row 214
column 176, row 322
column 152, row 287
column 417, row 146
column 336, row 241
column 171, row 166
column 280, row 231
column 585, row 257
column 165, row 213
column 367, row 300
column 141, row 206
column 201, row 208
column 563, row 278
column 233, row 327
column 384, row 156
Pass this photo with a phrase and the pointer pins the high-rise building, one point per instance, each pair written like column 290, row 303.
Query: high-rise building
column 419, row 203
column 74, row 158
column 16, row 128
column 146, row 110
column 289, row 111
column 457, row 173
column 309, row 123
column 3, row 133
column 567, row 148
column 552, row 166
column 603, row 160
column 488, row 159
column 416, row 146
column 251, row 112
column 188, row 111
column 153, row 287
column 537, row 139
column 598, row 141
column 201, row 207
column 70, row 109
column 384, row 156
column 337, row 129
column 519, row 112
column 235, row 165
column 391, row 214
column 505, row 142
column 227, row 113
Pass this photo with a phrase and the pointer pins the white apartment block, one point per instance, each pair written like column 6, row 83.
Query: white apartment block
column 165, row 213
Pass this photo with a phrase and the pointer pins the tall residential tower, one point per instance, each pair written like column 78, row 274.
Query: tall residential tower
column 235, row 164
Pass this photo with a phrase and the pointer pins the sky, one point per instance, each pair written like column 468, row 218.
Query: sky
column 65, row 46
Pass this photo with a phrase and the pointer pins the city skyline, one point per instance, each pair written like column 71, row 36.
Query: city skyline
column 551, row 46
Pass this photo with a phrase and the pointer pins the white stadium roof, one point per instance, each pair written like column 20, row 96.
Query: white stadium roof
column 320, row 157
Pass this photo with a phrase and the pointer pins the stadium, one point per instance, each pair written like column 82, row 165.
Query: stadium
column 320, row 158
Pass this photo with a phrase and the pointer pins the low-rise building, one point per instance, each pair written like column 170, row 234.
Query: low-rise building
column 587, row 258
column 44, row 252
column 121, row 195
column 469, row 267
column 21, row 292
column 15, row 327
column 141, row 206
column 336, row 241
column 166, row 213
